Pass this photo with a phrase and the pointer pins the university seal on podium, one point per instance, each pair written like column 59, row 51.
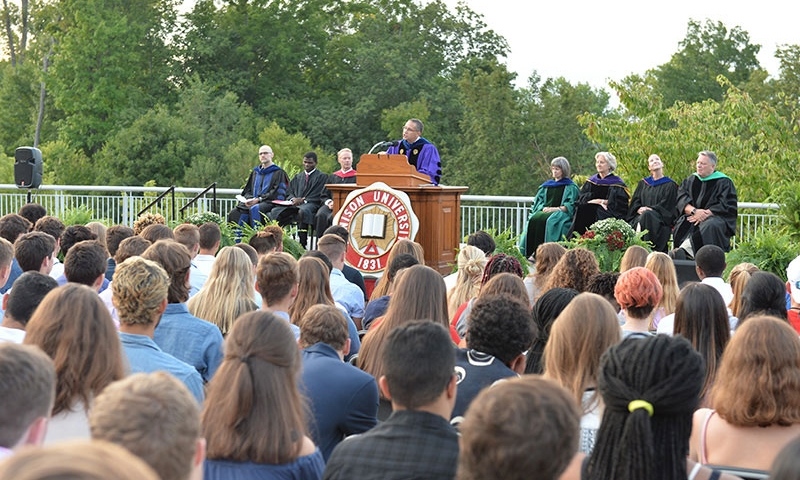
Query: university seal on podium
column 376, row 217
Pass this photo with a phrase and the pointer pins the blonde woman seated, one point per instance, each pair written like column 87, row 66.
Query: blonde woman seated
column 579, row 336
column 471, row 262
column 755, row 398
column 662, row 266
column 228, row 292
column 637, row 292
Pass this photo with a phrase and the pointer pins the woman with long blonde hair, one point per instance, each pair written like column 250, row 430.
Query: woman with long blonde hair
column 228, row 292
column 579, row 336
column 471, row 262
column 662, row 266
column 738, row 278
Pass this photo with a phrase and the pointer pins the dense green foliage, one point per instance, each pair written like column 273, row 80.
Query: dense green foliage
column 129, row 92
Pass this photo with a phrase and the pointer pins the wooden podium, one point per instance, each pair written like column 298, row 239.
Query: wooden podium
column 437, row 207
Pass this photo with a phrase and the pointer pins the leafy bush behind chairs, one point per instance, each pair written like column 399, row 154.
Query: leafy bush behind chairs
column 608, row 239
column 505, row 242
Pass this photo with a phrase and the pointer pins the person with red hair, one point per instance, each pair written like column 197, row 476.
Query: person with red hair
column 637, row 292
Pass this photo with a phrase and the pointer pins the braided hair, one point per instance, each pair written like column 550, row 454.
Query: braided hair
column 650, row 387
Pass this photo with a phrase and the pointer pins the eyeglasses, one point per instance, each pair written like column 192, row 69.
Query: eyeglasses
column 410, row 129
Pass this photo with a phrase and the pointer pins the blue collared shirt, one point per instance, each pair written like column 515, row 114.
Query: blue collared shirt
column 190, row 339
column 285, row 316
column 144, row 356
column 348, row 294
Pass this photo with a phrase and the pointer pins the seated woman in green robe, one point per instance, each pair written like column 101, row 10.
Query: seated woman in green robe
column 552, row 209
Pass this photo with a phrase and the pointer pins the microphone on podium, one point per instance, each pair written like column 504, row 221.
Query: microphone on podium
column 384, row 145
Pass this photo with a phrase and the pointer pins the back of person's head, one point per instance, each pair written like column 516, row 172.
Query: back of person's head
column 115, row 235
column 32, row 248
column 419, row 293
column 471, row 262
column 332, row 246
column 664, row 269
column 501, row 326
column 28, row 389
column 139, row 288
column 764, row 294
column 701, row 318
column 501, row 263
column 787, row 463
column 544, row 313
column 320, row 256
column 738, row 278
column 74, row 234
column 323, row 324
column 210, row 235
column 711, row 260
column 6, row 253
column 253, row 410
column 188, row 235
column 157, row 232
column 638, row 291
column 76, row 460
column 313, row 278
column 53, row 226
column 29, row 290
column 418, row 361
column 603, row 284
column 634, row 256
column 579, row 336
column 131, row 247
column 146, row 219
column 506, row 284
column 155, row 417
column 338, row 230
column 547, row 255
column 758, row 381
column 251, row 252
column 410, row 247
column 400, row 262
column 74, row 327
column 176, row 260
column 269, row 239
column 573, row 270
column 483, row 241
column 650, row 388
column 99, row 229
column 276, row 276
column 85, row 262
column 13, row 225
column 32, row 212
column 497, row 439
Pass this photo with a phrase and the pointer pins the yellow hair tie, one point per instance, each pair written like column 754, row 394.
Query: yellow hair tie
column 637, row 404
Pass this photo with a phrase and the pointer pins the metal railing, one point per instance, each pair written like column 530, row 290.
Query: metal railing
column 120, row 204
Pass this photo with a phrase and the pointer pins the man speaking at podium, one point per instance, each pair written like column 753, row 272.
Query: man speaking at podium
column 420, row 152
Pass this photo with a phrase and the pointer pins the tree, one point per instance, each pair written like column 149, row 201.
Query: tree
column 111, row 63
column 707, row 51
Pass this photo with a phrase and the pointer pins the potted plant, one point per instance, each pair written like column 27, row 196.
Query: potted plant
column 608, row 239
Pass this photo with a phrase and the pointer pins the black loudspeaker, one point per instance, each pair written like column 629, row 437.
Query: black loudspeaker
column 28, row 167
column 685, row 271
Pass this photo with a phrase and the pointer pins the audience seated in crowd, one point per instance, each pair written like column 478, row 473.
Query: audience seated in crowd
column 21, row 301
column 545, row 311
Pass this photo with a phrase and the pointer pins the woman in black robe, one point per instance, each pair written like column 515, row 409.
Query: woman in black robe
column 603, row 196
column 654, row 205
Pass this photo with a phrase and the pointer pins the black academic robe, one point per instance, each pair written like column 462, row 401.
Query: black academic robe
column 719, row 196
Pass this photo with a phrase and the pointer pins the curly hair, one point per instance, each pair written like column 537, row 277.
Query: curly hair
column 573, row 270
column 500, row 326
column 146, row 219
